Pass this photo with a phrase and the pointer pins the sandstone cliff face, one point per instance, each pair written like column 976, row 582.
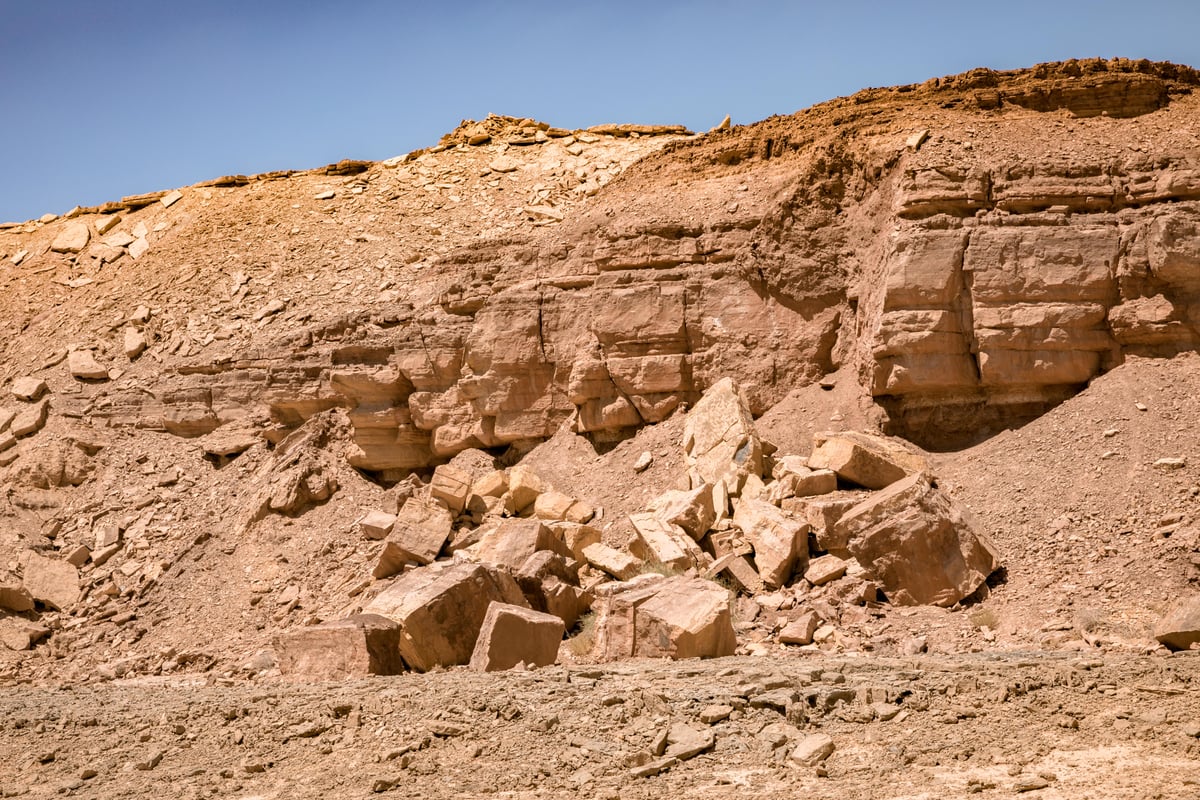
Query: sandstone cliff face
column 976, row 249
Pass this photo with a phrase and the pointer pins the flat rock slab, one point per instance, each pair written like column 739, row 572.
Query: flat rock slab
column 51, row 581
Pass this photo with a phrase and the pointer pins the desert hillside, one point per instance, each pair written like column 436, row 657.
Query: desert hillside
column 331, row 482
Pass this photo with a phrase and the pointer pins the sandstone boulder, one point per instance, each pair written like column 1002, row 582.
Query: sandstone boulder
column 1179, row 628
column 72, row 238
column 780, row 542
column 364, row 644
column 800, row 630
column 719, row 440
column 917, row 545
column 31, row 420
column 51, row 581
column 511, row 635
column 440, row 610
column 451, row 486
column 376, row 524
column 860, row 458
column 691, row 510
column 551, row 584
column 20, row 634
column 661, row 543
column 654, row 617
column 576, row 537
column 417, row 536
column 15, row 597
column 619, row 564
column 513, row 541
column 524, row 486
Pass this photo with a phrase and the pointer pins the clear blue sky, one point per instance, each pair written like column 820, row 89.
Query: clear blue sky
column 104, row 99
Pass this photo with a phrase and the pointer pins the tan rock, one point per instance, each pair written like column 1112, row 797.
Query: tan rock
column 812, row 750
column 780, row 542
column 20, row 634
column 78, row 556
column 107, row 223
column 524, row 486
column 917, row 545
column 171, row 198
column 515, row 540
column 620, row 565
column 552, row 506
column 551, row 584
column 418, row 535
column 51, row 581
column 138, row 248
column 824, row 569
column 685, row 618
column 822, row 515
column 451, row 486
column 361, row 645
column 662, row 543
column 859, row 458
column 719, row 439
column 691, row 510
column 1179, row 628
column 440, row 610
column 134, row 343
column 512, row 635
column 800, row 630
column 31, row 420
column 73, row 238
column 576, row 537
column 28, row 389
column 83, row 366
column 15, row 597
column 376, row 524
column 493, row 484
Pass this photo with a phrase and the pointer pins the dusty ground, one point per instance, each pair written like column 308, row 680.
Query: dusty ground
column 988, row 725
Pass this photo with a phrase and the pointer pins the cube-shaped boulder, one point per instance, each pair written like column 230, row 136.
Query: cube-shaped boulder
column 451, row 486
column 512, row 635
column 417, row 536
column 515, row 540
column 364, row 644
column 440, row 610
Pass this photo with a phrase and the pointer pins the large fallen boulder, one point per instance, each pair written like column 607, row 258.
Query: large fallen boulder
column 913, row 541
column 440, row 609
column 653, row 616
column 693, row 510
column 364, row 644
column 551, row 585
column 864, row 459
column 513, row 541
column 416, row 537
column 719, row 440
column 1179, row 628
column 512, row 635
column 662, row 543
column 780, row 542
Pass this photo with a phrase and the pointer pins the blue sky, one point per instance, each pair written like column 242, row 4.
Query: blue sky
column 104, row 99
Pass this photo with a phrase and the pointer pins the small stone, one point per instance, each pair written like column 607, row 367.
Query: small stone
column 812, row 750
column 326, row 195
column 138, row 247
column 376, row 524
column 801, row 630
column 150, row 761
column 643, row 461
column 503, row 164
column 1030, row 783
column 84, row 367
column 72, row 239
column 653, row 767
column 1170, row 463
column 710, row 715
column 28, row 389
column 171, row 199
column 134, row 344
column 106, row 224
column 273, row 307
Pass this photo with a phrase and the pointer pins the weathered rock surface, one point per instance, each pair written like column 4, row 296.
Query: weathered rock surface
column 656, row 617
column 1179, row 628
column 440, row 610
column 52, row 582
column 916, row 544
column 365, row 644
column 512, row 635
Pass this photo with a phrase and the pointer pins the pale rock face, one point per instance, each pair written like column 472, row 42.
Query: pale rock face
column 513, row 541
column 512, row 635
column 51, row 581
column 440, row 610
column 780, row 542
column 361, row 645
column 1179, row 628
column 657, row 617
column 719, row 439
column 918, row 546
